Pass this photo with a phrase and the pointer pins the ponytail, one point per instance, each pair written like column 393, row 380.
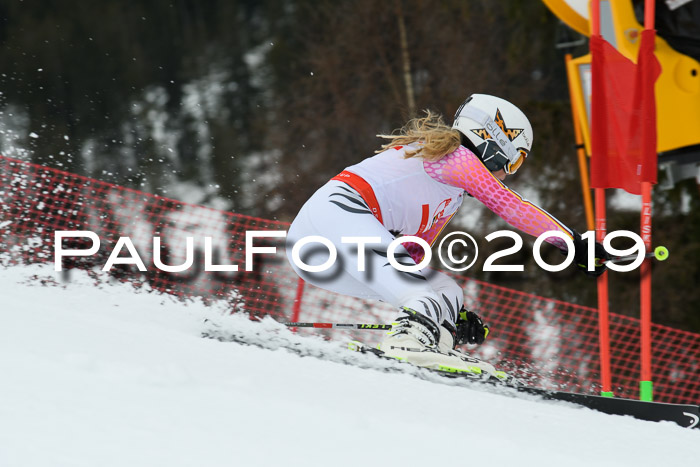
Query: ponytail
column 436, row 139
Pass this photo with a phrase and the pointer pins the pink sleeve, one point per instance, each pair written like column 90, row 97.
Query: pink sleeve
column 464, row 169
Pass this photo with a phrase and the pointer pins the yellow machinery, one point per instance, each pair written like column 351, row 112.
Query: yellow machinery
column 677, row 89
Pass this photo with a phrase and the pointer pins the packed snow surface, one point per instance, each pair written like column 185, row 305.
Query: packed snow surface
column 102, row 375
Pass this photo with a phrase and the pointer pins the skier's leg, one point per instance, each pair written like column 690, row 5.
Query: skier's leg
column 336, row 212
column 450, row 293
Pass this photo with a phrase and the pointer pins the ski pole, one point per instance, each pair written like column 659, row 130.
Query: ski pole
column 660, row 253
column 379, row 327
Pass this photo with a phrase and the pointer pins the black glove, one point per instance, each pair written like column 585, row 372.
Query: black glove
column 470, row 328
column 581, row 256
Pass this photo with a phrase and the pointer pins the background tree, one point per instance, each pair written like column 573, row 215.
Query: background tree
column 252, row 105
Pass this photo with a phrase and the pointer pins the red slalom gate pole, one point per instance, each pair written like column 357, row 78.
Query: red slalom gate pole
column 645, row 384
column 296, row 310
column 646, row 392
column 603, row 305
column 603, row 311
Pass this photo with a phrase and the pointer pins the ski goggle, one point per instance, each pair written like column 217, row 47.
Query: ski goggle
column 512, row 167
column 493, row 157
column 500, row 151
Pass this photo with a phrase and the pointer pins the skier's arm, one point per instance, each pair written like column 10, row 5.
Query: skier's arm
column 463, row 169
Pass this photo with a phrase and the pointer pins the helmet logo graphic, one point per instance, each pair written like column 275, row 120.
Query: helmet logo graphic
column 511, row 133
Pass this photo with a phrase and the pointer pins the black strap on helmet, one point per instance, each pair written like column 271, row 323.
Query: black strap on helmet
column 488, row 152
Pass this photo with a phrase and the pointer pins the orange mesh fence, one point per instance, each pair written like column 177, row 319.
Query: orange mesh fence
column 551, row 343
column 36, row 201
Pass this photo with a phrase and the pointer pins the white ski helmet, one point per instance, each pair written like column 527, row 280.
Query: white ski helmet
column 499, row 131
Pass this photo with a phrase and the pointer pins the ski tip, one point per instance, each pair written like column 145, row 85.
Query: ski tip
column 356, row 346
column 505, row 379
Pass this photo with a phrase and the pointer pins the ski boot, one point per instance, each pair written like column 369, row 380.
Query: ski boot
column 416, row 339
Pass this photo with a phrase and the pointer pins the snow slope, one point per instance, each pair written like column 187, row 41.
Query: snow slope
column 104, row 376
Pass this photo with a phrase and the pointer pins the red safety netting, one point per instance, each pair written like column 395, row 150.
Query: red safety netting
column 552, row 343
column 36, row 201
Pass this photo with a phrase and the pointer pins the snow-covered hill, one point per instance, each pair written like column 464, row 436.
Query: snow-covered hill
column 104, row 376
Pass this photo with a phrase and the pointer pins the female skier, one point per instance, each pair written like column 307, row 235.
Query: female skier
column 414, row 186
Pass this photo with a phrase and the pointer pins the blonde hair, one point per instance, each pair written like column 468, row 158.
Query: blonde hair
column 436, row 138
